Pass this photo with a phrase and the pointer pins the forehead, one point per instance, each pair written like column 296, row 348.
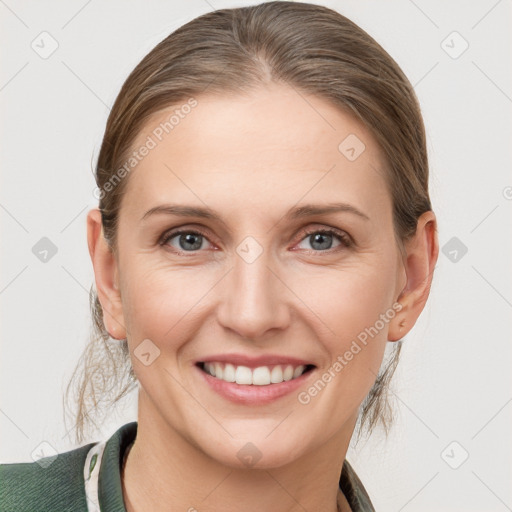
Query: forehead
column 273, row 145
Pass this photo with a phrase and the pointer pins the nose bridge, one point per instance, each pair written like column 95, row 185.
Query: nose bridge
column 254, row 301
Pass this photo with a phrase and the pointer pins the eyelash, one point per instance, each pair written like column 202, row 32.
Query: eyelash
column 345, row 240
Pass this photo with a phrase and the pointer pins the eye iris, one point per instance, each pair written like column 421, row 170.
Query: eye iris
column 324, row 240
column 188, row 238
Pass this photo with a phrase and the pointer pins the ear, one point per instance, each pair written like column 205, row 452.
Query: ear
column 422, row 251
column 106, row 276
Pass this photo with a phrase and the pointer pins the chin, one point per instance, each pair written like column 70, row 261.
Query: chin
column 259, row 453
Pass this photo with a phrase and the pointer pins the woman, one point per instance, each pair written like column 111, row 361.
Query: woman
column 264, row 229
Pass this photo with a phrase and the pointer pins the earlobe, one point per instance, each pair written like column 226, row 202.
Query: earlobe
column 422, row 252
column 398, row 327
column 106, row 275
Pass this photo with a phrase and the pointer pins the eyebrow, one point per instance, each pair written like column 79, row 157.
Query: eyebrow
column 307, row 210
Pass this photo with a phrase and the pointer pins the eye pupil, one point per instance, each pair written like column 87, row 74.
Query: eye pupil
column 324, row 240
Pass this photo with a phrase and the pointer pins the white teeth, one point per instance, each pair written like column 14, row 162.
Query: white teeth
column 210, row 368
column 277, row 375
column 296, row 373
column 218, row 371
column 261, row 376
column 243, row 375
column 288, row 373
column 229, row 373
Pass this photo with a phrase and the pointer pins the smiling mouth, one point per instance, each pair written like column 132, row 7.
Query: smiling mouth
column 260, row 376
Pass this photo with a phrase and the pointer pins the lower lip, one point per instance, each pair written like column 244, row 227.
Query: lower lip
column 252, row 394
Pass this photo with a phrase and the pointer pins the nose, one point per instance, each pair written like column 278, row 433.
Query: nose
column 254, row 299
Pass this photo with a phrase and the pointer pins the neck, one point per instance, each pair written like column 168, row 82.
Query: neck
column 164, row 471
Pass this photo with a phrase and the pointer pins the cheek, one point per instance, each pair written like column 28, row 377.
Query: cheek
column 350, row 328
column 347, row 301
column 353, row 311
column 159, row 301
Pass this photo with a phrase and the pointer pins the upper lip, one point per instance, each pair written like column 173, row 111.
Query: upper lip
column 254, row 361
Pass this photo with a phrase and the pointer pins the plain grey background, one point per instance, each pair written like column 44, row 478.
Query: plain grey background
column 450, row 447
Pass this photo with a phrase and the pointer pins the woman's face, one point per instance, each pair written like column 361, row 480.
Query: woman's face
column 255, row 283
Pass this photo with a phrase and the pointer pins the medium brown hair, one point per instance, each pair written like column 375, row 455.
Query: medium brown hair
column 315, row 50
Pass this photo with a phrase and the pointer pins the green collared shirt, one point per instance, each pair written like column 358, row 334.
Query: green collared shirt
column 58, row 483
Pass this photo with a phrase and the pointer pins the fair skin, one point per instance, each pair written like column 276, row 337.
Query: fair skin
column 251, row 158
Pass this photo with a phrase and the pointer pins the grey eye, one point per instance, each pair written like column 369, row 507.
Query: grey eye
column 320, row 241
column 188, row 241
